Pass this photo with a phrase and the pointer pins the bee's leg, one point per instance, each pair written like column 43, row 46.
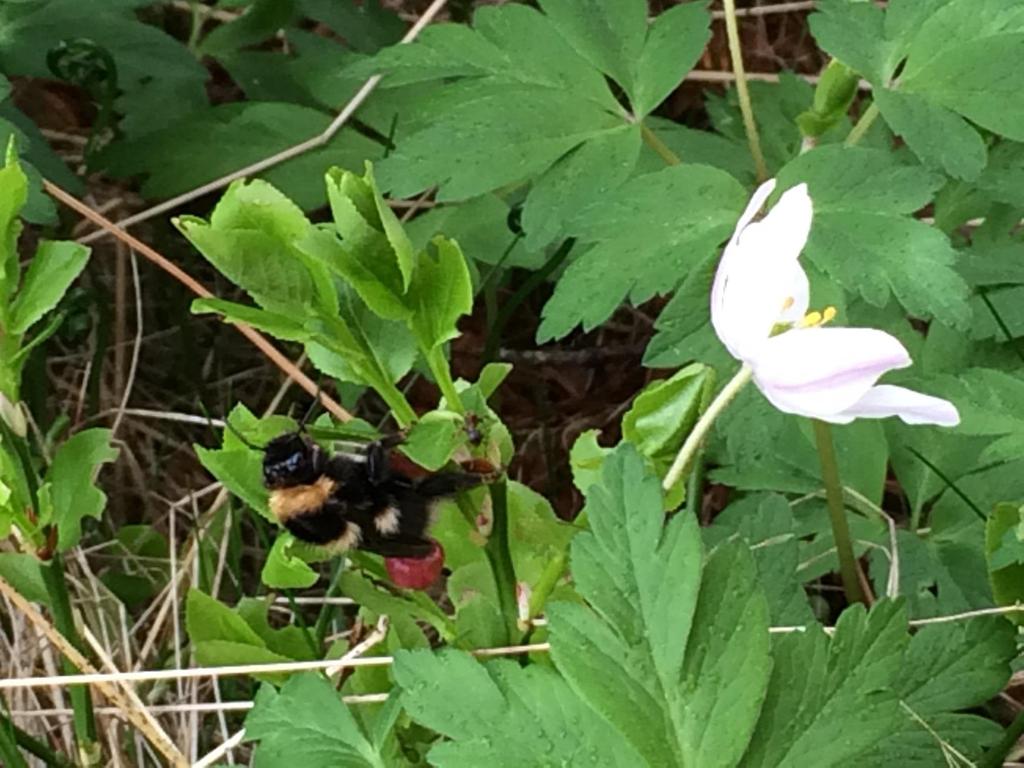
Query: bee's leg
column 378, row 468
column 447, row 483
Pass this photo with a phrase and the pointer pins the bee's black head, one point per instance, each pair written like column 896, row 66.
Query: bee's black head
column 291, row 459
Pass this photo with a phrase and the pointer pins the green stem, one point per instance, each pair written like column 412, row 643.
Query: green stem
column 863, row 124
column 9, row 752
column 694, row 440
column 837, row 512
column 37, row 748
column 323, row 620
column 443, row 378
column 749, row 124
column 396, row 402
column 547, row 581
column 532, row 282
column 652, row 140
column 63, row 619
column 500, row 557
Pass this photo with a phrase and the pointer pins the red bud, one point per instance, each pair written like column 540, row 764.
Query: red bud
column 416, row 572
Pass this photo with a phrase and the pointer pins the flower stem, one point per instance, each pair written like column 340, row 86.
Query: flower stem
column 863, row 124
column 837, row 512
column 696, row 437
column 736, row 53
column 652, row 140
column 443, row 377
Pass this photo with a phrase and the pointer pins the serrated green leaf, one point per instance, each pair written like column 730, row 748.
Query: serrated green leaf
column 283, row 570
column 54, row 267
column 641, row 226
column 307, row 723
column 860, row 239
column 948, row 667
column 71, row 479
column 288, row 641
column 664, row 412
column 610, row 34
column 23, row 572
column 674, row 41
column 820, row 686
column 240, row 470
column 990, row 404
column 504, row 715
column 626, row 657
column 589, row 172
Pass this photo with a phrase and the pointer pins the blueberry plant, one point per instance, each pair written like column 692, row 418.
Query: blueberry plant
column 855, row 601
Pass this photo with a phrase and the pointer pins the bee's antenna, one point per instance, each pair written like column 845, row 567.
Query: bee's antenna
column 231, row 427
column 312, row 406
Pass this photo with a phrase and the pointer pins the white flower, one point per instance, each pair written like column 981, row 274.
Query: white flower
column 759, row 310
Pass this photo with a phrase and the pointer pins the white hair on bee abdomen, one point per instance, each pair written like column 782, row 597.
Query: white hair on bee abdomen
column 350, row 539
column 388, row 520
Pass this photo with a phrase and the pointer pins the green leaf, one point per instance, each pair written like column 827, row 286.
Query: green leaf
column 434, row 438
column 862, row 237
column 586, row 458
column 13, row 195
column 440, row 294
column 23, row 572
column 674, row 42
column 589, row 172
column 215, row 141
column 640, row 226
column 54, row 267
column 1006, row 571
column 818, row 684
column 277, row 325
column 503, row 715
column 72, row 478
column 366, row 26
column 766, row 523
column 288, row 641
column 306, row 723
column 948, row 667
column 283, row 570
column 240, row 470
column 990, row 404
column 610, row 34
column 262, row 19
column 626, row 655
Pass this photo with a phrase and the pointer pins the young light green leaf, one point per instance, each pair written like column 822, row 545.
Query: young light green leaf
column 72, row 482
column 1004, row 552
column 54, row 267
column 640, row 225
column 830, row 700
column 22, row 571
column 504, row 715
column 283, row 570
column 665, row 411
column 434, row 438
column 440, row 294
column 862, row 238
column 586, row 458
column 13, row 195
column 307, row 724
column 280, row 326
column 241, row 473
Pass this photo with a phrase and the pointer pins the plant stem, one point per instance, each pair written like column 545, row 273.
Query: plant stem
column 500, row 557
column 37, row 748
column 863, row 124
column 837, row 512
column 736, row 54
column 9, row 752
column 696, row 437
column 63, row 619
column 651, row 140
column 547, row 581
column 443, row 378
column 400, row 408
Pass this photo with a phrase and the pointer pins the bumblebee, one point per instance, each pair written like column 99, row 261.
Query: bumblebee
column 355, row 500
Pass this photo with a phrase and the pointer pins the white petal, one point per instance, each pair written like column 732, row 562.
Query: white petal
column 912, row 407
column 760, row 282
column 820, row 372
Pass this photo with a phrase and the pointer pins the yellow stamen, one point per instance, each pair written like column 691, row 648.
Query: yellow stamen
column 815, row 319
column 788, row 303
column 828, row 315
